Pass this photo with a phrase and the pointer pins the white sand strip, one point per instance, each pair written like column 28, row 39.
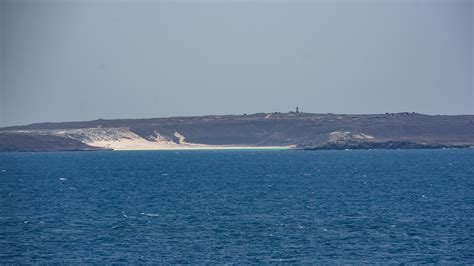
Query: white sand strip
column 122, row 139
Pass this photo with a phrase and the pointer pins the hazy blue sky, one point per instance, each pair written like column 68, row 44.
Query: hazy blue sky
column 83, row 60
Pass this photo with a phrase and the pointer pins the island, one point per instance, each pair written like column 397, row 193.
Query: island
column 290, row 130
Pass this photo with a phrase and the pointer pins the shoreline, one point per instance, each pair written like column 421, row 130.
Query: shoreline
column 200, row 148
column 266, row 148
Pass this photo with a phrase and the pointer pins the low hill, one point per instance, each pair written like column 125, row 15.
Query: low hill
column 297, row 130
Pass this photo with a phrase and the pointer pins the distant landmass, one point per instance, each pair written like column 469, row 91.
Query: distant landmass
column 262, row 130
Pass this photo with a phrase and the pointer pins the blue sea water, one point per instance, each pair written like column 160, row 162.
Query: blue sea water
column 379, row 206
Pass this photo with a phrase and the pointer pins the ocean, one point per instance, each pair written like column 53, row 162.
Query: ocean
column 238, row 206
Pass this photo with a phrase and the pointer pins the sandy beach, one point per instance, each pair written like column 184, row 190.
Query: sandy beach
column 122, row 139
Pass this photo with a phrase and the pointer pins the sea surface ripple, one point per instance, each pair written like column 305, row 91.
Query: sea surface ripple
column 414, row 206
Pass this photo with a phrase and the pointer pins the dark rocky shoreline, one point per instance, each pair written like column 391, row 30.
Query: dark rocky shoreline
column 387, row 145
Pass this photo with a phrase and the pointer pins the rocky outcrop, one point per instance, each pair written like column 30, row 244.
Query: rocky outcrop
column 390, row 145
column 41, row 142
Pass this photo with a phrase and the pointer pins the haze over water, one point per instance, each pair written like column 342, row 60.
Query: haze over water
column 383, row 206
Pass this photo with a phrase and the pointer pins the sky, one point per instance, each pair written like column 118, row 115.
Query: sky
column 79, row 60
